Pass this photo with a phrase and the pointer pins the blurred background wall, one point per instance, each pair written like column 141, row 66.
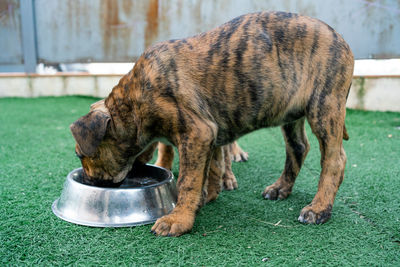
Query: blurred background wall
column 60, row 31
column 40, row 38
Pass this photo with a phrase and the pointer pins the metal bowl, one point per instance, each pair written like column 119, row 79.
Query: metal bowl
column 147, row 193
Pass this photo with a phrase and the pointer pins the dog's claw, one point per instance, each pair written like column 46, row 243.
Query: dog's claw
column 267, row 196
column 301, row 219
column 244, row 157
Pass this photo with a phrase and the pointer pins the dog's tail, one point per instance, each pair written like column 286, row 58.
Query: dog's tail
column 345, row 134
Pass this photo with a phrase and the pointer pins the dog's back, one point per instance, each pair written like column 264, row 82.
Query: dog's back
column 258, row 70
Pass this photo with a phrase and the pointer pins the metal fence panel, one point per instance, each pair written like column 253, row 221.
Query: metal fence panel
column 120, row 30
column 10, row 33
column 84, row 31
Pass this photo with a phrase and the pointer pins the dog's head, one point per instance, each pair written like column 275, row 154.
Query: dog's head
column 106, row 159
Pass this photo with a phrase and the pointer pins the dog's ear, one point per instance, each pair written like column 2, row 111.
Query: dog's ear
column 99, row 105
column 90, row 130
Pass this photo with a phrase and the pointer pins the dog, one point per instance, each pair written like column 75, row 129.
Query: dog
column 201, row 93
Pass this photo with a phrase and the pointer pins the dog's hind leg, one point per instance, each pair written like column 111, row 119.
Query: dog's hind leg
column 165, row 156
column 327, row 123
column 297, row 147
column 213, row 184
column 229, row 179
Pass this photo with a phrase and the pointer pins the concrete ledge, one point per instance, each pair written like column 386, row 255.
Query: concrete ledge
column 370, row 92
column 381, row 93
column 34, row 85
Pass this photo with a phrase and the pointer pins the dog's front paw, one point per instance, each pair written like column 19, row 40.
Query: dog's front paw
column 315, row 214
column 277, row 191
column 173, row 224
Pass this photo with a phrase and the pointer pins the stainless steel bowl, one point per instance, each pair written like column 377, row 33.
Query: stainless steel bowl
column 145, row 195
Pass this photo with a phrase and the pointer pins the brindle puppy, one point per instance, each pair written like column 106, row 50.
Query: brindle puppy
column 203, row 92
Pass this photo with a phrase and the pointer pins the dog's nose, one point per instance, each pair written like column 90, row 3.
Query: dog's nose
column 98, row 181
column 86, row 179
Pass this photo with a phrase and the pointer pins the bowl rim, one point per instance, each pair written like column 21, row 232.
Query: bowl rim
column 165, row 181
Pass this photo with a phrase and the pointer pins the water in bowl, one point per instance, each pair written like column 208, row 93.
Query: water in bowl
column 131, row 181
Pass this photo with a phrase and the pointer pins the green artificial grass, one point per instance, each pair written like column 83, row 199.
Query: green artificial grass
column 240, row 228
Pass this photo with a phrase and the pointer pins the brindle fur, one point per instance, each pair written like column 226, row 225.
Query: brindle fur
column 201, row 93
column 232, row 152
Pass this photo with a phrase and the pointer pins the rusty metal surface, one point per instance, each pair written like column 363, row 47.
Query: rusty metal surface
column 10, row 32
column 101, row 31
column 120, row 30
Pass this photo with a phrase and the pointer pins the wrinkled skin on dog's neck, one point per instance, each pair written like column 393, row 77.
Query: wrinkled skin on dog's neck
column 129, row 115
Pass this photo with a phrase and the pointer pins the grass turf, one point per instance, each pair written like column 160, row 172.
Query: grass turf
column 240, row 228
